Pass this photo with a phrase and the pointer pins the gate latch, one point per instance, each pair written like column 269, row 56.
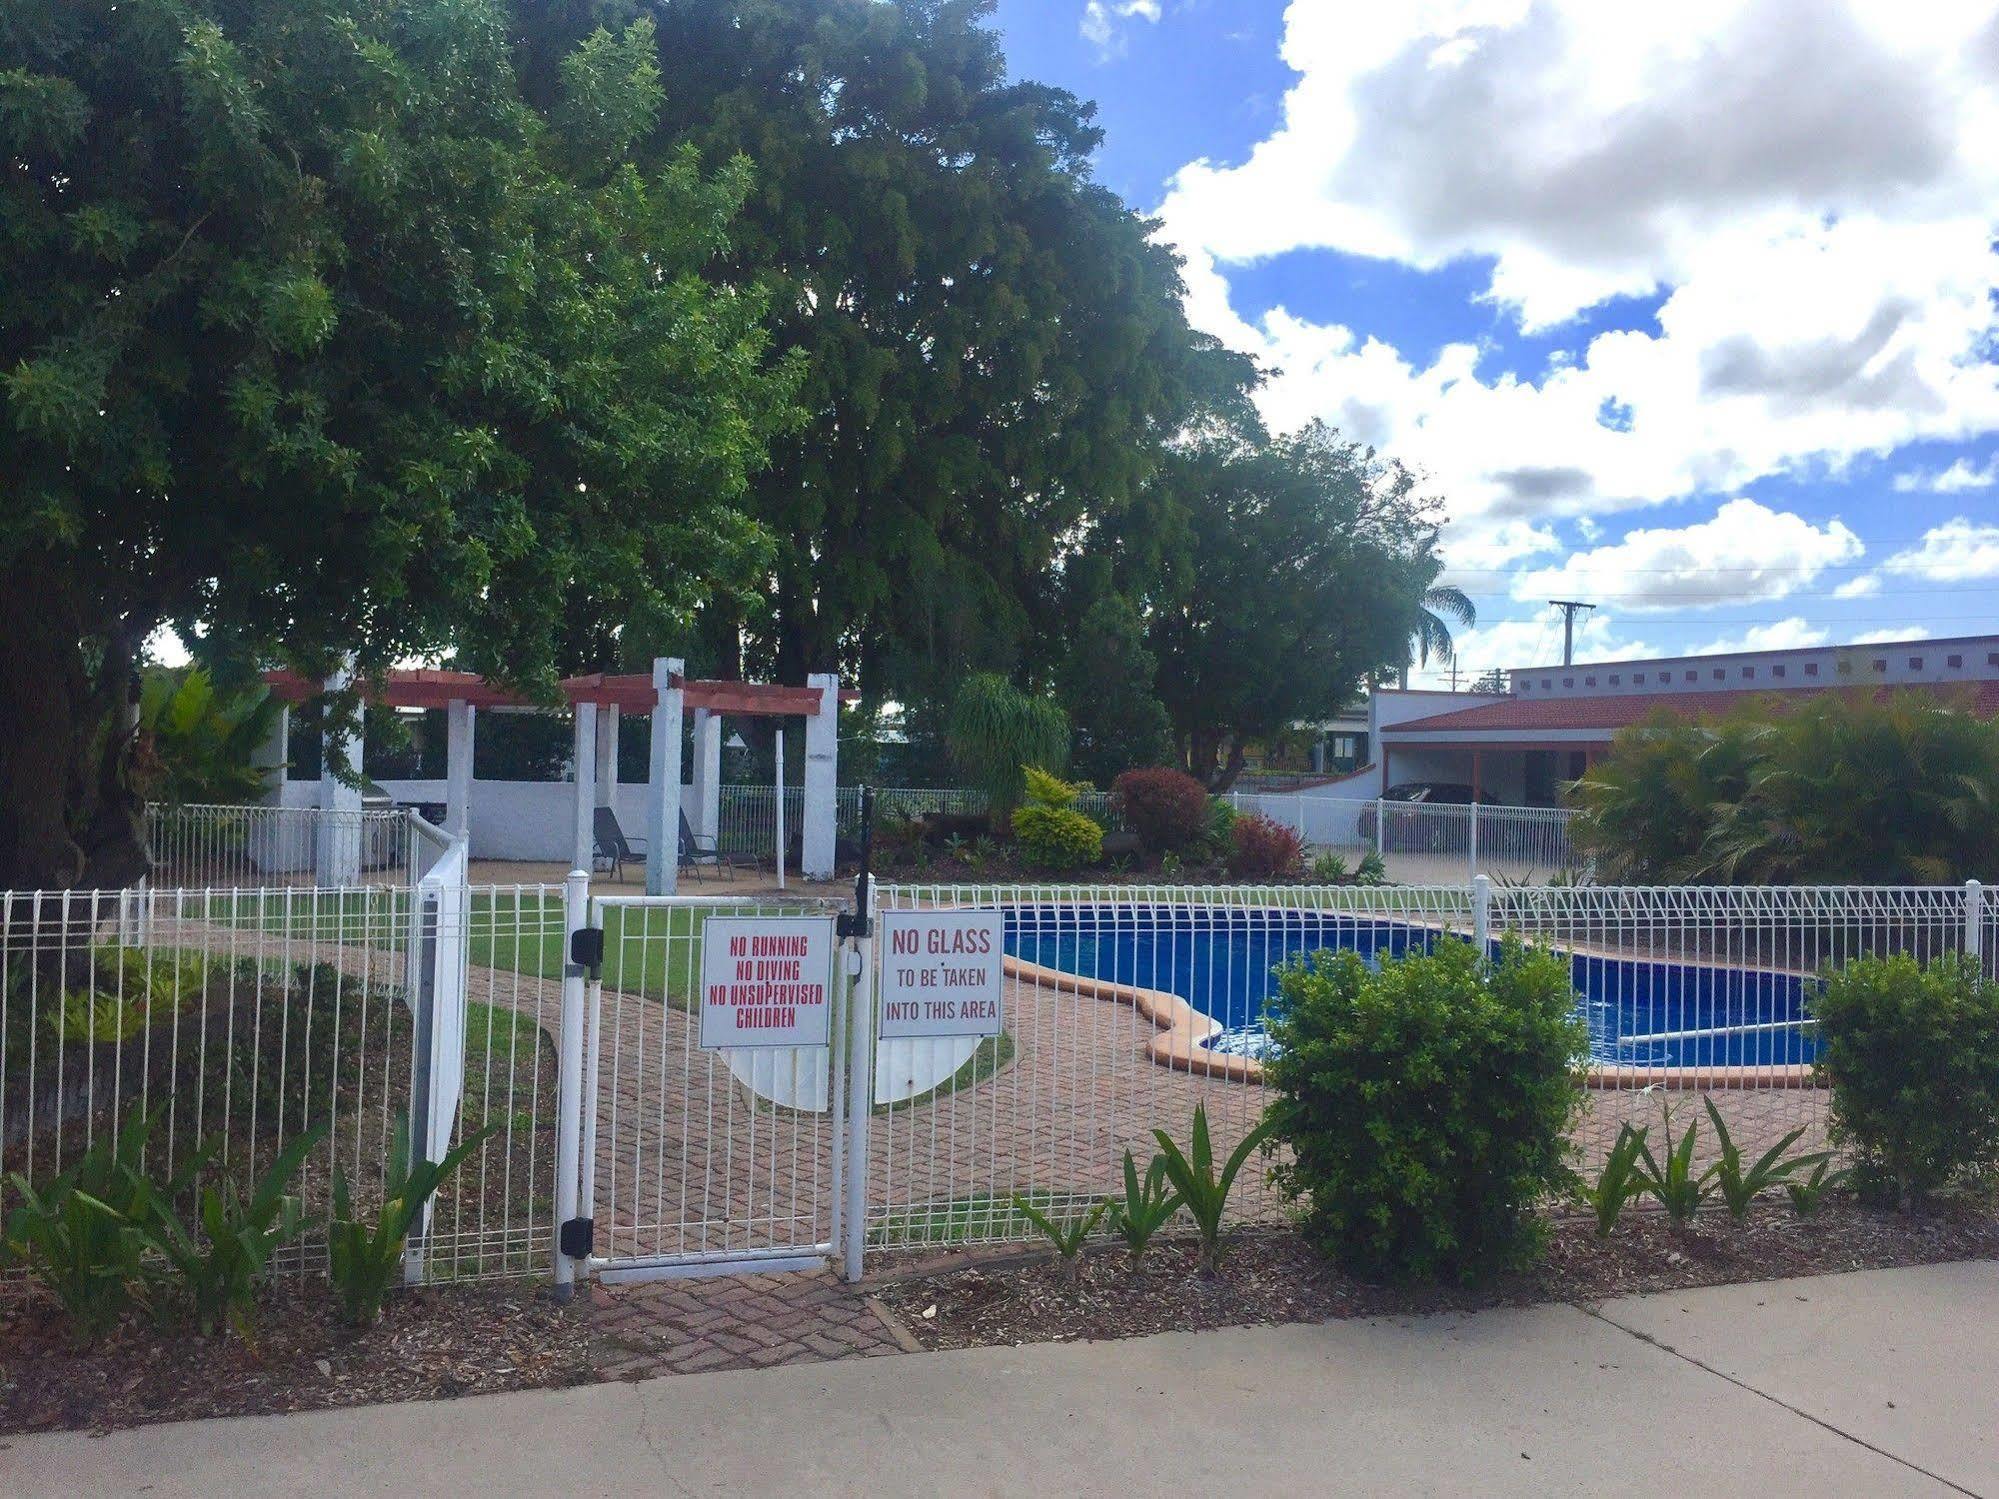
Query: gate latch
column 586, row 949
column 578, row 1237
column 852, row 924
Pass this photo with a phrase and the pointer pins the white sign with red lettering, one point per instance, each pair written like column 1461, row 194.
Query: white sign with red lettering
column 766, row 981
column 940, row 974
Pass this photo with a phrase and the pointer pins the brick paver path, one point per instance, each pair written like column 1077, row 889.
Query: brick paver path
column 733, row 1322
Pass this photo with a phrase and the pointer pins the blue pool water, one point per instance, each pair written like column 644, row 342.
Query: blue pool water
column 1640, row 1012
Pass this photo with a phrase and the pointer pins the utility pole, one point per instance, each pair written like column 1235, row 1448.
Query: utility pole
column 1569, row 608
column 1454, row 673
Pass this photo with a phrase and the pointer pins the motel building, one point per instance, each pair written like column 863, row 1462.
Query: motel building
column 1519, row 748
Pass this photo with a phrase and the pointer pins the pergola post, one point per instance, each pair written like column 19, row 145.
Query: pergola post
column 337, row 850
column 663, row 782
column 707, row 775
column 822, row 779
column 607, row 756
column 271, row 755
column 585, row 760
column 459, row 723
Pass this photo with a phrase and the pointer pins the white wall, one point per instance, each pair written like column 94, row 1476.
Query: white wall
column 521, row 820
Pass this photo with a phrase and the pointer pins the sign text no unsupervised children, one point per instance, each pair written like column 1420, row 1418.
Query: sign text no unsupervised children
column 764, row 981
column 940, row 973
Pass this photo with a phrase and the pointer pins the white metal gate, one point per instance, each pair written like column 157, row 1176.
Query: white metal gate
column 692, row 1161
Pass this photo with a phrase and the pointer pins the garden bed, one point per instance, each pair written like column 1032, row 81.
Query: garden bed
column 1270, row 1275
column 430, row 1344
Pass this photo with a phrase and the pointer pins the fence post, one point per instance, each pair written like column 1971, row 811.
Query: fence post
column 570, row 1099
column 1380, row 824
column 1474, row 837
column 1974, row 920
column 1481, row 913
column 860, row 1085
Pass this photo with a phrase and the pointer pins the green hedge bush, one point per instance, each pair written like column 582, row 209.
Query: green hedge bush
column 1050, row 831
column 1912, row 1056
column 1424, row 1108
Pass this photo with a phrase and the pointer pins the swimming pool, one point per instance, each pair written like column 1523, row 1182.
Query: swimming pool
column 1640, row 1012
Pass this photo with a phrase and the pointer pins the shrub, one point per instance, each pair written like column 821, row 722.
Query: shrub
column 1329, row 869
column 1262, row 849
column 1067, row 1235
column 1912, row 1056
column 1168, row 809
column 1219, row 839
column 1371, row 870
column 1146, row 1207
column 1058, row 837
column 1426, row 1106
column 995, row 729
column 1051, row 832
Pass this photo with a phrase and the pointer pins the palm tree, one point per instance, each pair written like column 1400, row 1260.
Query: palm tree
column 1432, row 637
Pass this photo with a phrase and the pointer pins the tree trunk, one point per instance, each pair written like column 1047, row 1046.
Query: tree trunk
column 69, row 817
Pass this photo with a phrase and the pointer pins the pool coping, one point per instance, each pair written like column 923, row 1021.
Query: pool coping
column 1184, row 1031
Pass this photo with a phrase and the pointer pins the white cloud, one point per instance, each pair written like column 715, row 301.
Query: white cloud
column 1899, row 632
column 1809, row 185
column 1958, row 551
column 1099, row 25
column 1778, row 635
column 1862, row 587
column 1746, row 553
column 1960, row 476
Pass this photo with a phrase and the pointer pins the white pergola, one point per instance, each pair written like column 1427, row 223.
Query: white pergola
column 599, row 703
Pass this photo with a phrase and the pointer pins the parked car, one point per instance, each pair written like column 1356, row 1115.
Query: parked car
column 1408, row 830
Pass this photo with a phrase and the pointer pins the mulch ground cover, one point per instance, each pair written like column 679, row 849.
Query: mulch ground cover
column 1272, row 1275
column 430, row 1343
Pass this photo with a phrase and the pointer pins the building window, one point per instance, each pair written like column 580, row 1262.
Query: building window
column 1846, row 668
column 1720, row 675
column 1776, row 671
column 1748, row 672
column 1546, row 683
column 1955, row 663
column 1638, row 679
column 1692, row 676
column 1589, row 681
column 1915, row 663
column 1617, row 681
column 1880, row 663
column 1568, row 681
column 1811, row 668
column 1993, row 659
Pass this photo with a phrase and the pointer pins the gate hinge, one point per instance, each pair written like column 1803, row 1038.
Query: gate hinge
column 853, row 924
column 577, row 1238
column 586, row 949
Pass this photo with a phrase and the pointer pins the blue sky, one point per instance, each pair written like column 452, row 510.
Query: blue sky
column 1688, row 313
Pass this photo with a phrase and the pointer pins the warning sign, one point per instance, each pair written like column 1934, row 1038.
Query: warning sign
column 940, row 974
column 765, row 981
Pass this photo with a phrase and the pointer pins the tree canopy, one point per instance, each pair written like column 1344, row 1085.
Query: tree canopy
column 1293, row 572
column 316, row 336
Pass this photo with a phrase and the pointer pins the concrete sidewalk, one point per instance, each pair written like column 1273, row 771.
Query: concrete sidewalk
column 1882, row 1382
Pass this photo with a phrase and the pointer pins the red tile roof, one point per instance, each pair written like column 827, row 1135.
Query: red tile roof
column 1613, row 711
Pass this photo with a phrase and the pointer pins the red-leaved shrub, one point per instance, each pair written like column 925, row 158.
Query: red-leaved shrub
column 1168, row 809
column 1264, row 849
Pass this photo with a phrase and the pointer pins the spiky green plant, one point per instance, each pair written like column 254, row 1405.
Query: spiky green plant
column 1066, row 1234
column 1149, row 1203
column 217, row 1268
column 1739, row 1185
column 1192, row 1173
column 365, row 1258
column 1807, row 1194
column 1620, row 1180
column 1673, row 1181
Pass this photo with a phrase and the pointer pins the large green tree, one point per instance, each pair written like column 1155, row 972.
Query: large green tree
column 318, row 335
column 1292, row 571
column 996, row 348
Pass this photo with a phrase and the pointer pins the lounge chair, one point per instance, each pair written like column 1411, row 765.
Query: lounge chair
column 696, row 851
column 611, row 847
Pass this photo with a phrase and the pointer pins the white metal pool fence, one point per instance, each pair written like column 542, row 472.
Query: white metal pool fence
column 240, row 1017
column 1420, row 843
column 206, row 845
